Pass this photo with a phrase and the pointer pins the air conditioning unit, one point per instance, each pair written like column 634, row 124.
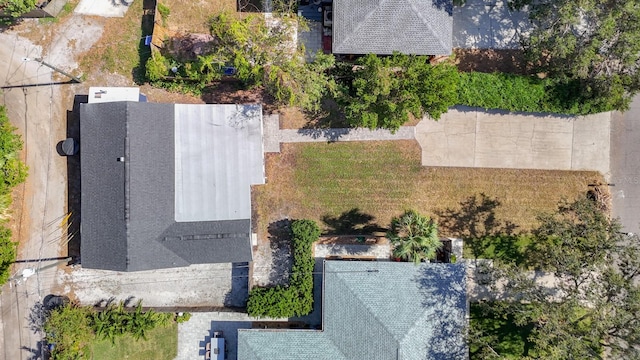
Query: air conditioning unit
column 327, row 18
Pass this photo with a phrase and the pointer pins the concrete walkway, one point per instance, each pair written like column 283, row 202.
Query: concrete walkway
column 468, row 137
column 274, row 136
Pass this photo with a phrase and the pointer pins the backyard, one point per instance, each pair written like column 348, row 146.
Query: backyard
column 382, row 179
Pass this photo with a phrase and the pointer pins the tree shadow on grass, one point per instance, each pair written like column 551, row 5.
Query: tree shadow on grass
column 476, row 223
column 351, row 222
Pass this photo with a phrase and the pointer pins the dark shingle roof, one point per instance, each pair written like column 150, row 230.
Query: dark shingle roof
column 127, row 208
column 376, row 310
column 416, row 27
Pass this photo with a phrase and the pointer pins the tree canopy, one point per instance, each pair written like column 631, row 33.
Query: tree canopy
column 594, row 306
column 591, row 47
column 381, row 92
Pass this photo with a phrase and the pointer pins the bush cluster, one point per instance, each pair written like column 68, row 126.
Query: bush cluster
column 297, row 298
column 530, row 94
column 12, row 172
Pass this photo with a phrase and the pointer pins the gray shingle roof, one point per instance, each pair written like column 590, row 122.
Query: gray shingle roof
column 377, row 310
column 128, row 208
column 416, row 27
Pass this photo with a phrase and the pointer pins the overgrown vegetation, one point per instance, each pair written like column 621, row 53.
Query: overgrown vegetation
column 260, row 54
column 381, row 92
column 529, row 94
column 594, row 308
column 589, row 48
column 12, row 172
column 16, row 8
column 73, row 329
column 296, row 299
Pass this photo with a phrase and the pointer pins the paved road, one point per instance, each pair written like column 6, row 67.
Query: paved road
column 36, row 112
column 625, row 166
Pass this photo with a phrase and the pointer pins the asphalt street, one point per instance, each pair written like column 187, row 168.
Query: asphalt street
column 625, row 167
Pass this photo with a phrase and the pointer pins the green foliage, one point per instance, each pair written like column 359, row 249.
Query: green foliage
column 12, row 172
column 594, row 308
column 414, row 237
column 7, row 253
column 530, row 94
column 383, row 91
column 116, row 321
column 68, row 328
column 591, row 46
column 297, row 298
column 164, row 13
column 16, row 8
column 262, row 56
column 184, row 317
column 492, row 331
column 72, row 328
column 162, row 344
column 157, row 67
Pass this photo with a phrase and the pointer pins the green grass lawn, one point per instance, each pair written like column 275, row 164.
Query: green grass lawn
column 161, row 344
column 511, row 341
column 507, row 248
column 384, row 178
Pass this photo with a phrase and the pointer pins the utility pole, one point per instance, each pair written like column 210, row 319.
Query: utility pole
column 74, row 78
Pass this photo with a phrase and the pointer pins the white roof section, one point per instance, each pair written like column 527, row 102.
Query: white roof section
column 111, row 94
column 218, row 156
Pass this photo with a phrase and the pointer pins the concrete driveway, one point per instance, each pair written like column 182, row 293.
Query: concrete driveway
column 467, row 137
column 625, row 167
column 203, row 285
column 488, row 24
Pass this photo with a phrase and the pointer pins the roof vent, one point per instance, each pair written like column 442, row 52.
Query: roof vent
column 120, row 159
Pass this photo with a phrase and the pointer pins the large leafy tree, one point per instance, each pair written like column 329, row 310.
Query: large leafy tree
column 381, row 92
column 593, row 307
column 592, row 48
column 414, row 237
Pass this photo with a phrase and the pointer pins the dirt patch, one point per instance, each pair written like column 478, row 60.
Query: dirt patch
column 193, row 16
column 352, row 240
column 490, row 60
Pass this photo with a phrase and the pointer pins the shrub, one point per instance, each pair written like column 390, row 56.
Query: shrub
column 530, row 94
column 183, row 317
column 157, row 67
column 297, row 298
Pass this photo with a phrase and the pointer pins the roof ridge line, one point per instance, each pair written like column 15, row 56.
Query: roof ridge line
column 127, row 183
column 364, row 305
column 425, row 22
column 360, row 24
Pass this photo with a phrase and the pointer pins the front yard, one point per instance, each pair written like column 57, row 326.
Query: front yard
column 161, row 344
column 382, row 179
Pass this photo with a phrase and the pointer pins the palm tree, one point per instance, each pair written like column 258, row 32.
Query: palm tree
column 414, row 237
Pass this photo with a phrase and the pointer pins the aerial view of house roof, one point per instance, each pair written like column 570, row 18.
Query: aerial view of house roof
column 376, row 310
column 415, row 27
column 167, row 185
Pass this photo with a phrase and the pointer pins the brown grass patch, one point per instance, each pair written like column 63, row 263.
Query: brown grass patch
column 193, row 16
column 383, row 179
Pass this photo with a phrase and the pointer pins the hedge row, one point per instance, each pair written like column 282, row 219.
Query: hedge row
column 297, row 298
column 530, row 94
